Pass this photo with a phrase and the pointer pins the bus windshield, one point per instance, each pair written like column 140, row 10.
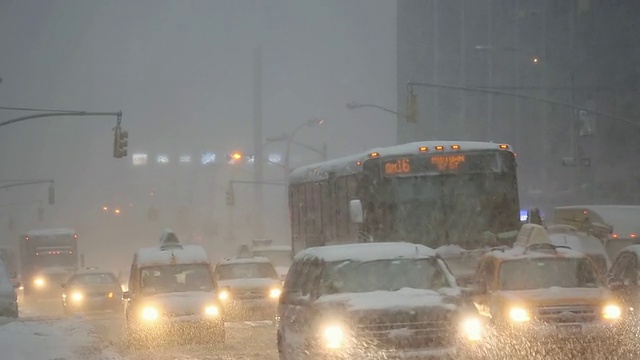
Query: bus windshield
column 448, row 208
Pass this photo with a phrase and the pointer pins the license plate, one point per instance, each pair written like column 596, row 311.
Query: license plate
column 574, row 328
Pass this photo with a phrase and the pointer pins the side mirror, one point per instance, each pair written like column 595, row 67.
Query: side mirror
column 63, row 286
column 13, row 275
column 355, row 211
column 615, row 284
column 16, row 285
column 126, row 295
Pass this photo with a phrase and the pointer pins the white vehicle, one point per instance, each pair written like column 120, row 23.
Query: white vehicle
column 8, row 296
column 172, row 292
column 567, row 235
column 249, row 288
column 385, row 299
column 279, row 255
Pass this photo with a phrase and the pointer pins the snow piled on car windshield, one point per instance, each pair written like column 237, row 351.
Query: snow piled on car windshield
column 367, row 252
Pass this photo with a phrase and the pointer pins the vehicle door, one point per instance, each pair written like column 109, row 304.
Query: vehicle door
column 484, row 282
column 295, row 305
column 623, row 279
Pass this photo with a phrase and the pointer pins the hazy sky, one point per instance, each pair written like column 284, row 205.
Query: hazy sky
column 180, row 70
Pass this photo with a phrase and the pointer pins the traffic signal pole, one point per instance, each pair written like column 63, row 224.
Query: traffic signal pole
column 60, row 114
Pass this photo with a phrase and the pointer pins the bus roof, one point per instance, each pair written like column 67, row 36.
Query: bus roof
column 352, row 164
column 625, row 219
column 50, row 232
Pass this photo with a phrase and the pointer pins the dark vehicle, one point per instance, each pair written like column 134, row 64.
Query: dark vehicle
column 432, row 193
column 8, row 296
column 9, row 256
column 47, row 259
column 391, row 300
column 249, row 288
column 624, row 277
column 92, row 290
column 171, row 293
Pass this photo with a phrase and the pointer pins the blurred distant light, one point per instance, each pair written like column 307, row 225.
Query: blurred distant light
column 185, row 158
column 236, row 156
column 524, row 215
column 105, row 208
column 139, row 159
column 251, row 159
column 275, row 158
column 208, row 158
column 116, row 211
column 162, row 159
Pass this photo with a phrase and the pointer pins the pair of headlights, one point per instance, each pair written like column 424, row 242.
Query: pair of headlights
column 274, row 293
column 151, row 313
column 336, row 336
column 610, row 312
column 78, row 296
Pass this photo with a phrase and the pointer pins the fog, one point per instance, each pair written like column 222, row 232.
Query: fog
column 181, row 73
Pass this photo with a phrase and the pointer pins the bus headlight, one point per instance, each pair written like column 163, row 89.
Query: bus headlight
column 39, row 282
column 611, row 312
column 211, row 310
column 77, row 296
column 472, row 329
column 333, row 336
column 149, row 314
column 518, row 314
column 275, row 293
column 224, row 295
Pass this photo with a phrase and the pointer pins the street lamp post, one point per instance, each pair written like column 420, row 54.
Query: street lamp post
column 310, row 123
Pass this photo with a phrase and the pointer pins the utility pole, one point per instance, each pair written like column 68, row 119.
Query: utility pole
column 257, row 143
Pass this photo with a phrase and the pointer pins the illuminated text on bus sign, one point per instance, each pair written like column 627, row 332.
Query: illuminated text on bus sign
column 448, row 162
column 399, row 166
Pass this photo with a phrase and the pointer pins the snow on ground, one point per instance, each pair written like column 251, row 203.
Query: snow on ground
column 51, row 339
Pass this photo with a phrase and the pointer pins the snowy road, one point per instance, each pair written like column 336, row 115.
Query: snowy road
column 48, row 335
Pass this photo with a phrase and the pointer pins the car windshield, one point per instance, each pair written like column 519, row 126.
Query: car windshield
column 176, row 278
column 386, row 275
column 277, row 257
column 527, row 274
column 93, row 279
column 246, row 271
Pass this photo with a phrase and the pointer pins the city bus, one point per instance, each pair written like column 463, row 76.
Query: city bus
column 434, row 193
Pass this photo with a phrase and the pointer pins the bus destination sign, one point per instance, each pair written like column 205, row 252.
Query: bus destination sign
column 449, row 163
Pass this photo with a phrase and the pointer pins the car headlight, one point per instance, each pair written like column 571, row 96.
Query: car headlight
column 333, row 336
column 211, row 310
column 39, row 282
column 275, row 293
column 224, row 295
column 519, row 314
column 472, row 329
column 77, row 296
column 149, row 314
column 611, row 312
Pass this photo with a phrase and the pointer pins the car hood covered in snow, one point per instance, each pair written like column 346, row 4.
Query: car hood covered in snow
column 403, row 299
column 181, row 302
column 557, row 296
column 249, row 283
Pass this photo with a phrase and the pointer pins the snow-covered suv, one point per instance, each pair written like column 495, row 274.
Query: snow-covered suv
column 373, row 299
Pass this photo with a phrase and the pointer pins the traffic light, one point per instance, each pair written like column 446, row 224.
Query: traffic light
column 52, row 195
column 230, row 197
column 120, row 142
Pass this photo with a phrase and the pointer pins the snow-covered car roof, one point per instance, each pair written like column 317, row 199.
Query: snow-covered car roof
column 633, row 249
column 249, row 260
column 518, row 253
column 93, row 272
column 50, row 232
column 566, row 235
column 352, row 164
column 367, row 252
column 185, row 254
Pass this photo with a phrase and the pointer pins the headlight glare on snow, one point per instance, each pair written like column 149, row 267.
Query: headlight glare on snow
column 333, row 336
column 149, row 313
column 518, row 314
column 611, row 312
column 211, row 310
column 77, row 296
column 472, row 329
column 39, row 282
column 224, row 295
column 275, row 293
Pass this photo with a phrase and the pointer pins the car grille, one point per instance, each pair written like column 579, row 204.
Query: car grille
column 408, row 330
column 249, row 294
column 97, row 294
column 568, row 314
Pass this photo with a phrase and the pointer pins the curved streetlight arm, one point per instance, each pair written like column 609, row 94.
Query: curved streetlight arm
column 411, row 85
column 30, row 182
column 61, row 114
column 352, row 106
